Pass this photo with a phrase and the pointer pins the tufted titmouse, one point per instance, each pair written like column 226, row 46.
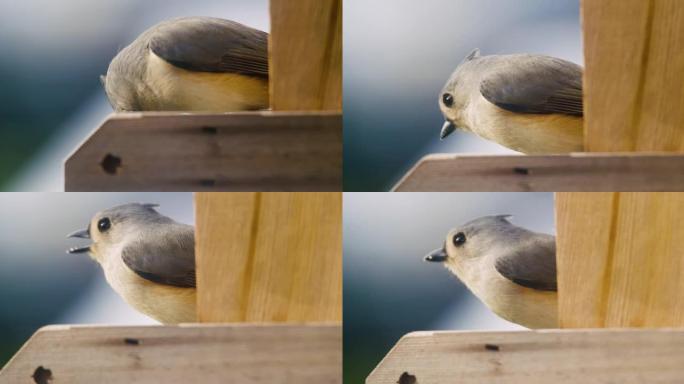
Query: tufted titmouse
column 510, row 269
column 529, row 103
column 191, row 64
column 147, row 258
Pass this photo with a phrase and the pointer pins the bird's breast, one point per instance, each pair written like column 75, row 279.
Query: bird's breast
column 525, row 132
column 172, row 88
column 164, row 303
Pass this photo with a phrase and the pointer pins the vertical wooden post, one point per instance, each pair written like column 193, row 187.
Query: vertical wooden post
column 620, row 255
column 305, row 51
column 269, row 257
column 633, row 85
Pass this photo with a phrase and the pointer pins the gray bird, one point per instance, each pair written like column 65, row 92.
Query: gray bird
column 191, row 64
column 529, row 103
column 510, row 269
column 147, row 258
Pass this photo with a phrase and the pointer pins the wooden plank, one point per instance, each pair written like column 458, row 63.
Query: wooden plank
column 634, row 91
column 574, row 172
column 253, row 151
column 306, row 55
column 269, row 257
column 553, row 356
column 179, row 354
column 620, row 259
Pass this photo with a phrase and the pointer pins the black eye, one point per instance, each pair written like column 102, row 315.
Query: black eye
column 448, row 99
column 459, row 239
column 104, row 224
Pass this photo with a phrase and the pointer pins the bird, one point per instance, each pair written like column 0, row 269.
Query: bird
column 191, row 64
column 510, row 269
column 147, row 258
column 529, row 103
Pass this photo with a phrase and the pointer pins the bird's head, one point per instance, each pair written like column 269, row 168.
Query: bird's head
column 456, row 93
column 110, row 227
column 471, row 241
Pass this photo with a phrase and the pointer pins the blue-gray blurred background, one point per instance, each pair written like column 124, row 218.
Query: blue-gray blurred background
column 53, row 52
column 399, row 53
column 40, row 283
column 389, row 291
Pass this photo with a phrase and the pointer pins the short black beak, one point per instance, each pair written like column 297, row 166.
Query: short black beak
column 81, row 234
column 447, row 129
column 78, row 249
column 438, row 255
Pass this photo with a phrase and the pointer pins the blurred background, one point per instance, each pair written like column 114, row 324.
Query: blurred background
column 40, row 283
column 388, row 289
column 53, row 53
column 399, row 53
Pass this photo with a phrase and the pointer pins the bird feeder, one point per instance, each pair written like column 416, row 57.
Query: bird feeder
column 619, row 254
column 269, row 304
column 296, row 146
column 633, row 115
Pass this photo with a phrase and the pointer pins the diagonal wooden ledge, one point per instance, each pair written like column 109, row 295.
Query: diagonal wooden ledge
column 596, row 172
column 190, row 353
column 549, row 356
column 248, row 151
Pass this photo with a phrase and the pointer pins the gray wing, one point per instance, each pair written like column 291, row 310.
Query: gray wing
column 535, row 84
column 532, row 265
column 164, row 259
column 206, row 44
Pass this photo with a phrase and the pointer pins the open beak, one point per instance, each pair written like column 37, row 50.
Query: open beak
column 81, row 234
column 447, row 129
column 439, row 255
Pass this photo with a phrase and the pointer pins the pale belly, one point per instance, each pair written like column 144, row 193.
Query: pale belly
column 164, row 303
column 178, row 89
column 526, row 133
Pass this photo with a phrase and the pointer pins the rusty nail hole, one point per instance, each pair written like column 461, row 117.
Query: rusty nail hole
column 210, row 130
column 492, row 347
column 42, row 375
column 207, row 182
column 521, row 171
column 407, row 378
column 131, row 341
column 110, row 164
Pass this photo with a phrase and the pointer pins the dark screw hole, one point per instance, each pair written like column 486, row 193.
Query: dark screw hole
column 131, row 341
column 521, row 171
column 407, row 378
column 210, row 130
column 492, row 347
column 207, row 182
column 42, row 375
column 110, row 164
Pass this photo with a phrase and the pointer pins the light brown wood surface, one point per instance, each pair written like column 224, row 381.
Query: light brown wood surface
column 245, row 354
column 633, row 85
column 273, row 257
column 531, row 357
column 620, row 259
column 305, row 51
column 574, row 172
column 253, row 151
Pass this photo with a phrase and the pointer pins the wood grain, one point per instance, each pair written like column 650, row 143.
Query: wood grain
column 633, row 87
column 554, row 356
column 269, row 257
column 180, row 354
column 253, row 151
column 620, row 259
column 305, row 50
column 574, row 172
